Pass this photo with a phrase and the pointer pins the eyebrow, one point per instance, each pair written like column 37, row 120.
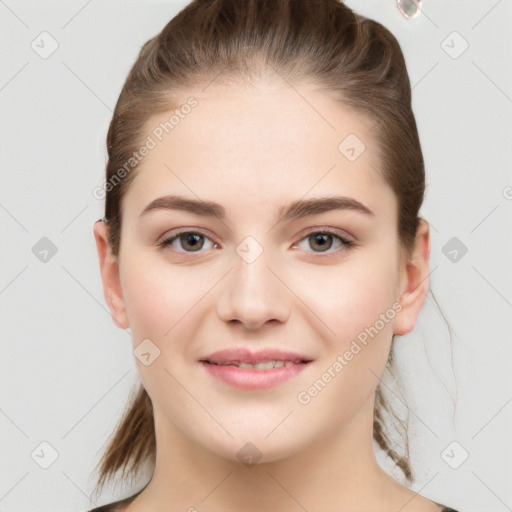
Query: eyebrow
column 295, row 210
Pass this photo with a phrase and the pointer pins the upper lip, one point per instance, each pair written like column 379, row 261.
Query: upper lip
column 244, row 355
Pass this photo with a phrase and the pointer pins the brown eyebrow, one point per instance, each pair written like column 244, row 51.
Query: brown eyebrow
column 295, row 210
column 196, row 206
column 305, row 207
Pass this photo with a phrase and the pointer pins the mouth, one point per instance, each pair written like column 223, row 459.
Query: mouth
column 263, row 365
column 263, row 369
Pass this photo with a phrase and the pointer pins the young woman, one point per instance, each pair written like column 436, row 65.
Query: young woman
column 262, row 242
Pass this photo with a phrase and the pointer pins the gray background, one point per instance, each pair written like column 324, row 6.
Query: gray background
column 67, row 370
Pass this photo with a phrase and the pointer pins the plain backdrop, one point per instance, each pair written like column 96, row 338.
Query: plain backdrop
column 67, row 370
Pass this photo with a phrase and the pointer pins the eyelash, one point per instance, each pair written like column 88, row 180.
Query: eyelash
column 346, row 244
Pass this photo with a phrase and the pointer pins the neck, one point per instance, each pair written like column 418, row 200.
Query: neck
column 338, row 472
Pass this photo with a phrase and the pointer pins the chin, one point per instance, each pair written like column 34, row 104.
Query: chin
column 251, row 447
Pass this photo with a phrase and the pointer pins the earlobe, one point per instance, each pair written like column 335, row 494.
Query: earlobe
column 109, row 269
column 414, row 281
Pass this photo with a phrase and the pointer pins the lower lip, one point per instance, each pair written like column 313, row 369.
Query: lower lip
column 249, row 378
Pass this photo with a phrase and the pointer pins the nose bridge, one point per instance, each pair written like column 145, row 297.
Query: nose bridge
column 252, row 294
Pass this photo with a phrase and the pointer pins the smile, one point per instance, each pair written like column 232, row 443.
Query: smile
column 251, row 370
column 264, row 365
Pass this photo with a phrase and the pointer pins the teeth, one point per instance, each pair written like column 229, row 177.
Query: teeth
column 265, row 365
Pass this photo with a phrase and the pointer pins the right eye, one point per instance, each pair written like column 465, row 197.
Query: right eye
column 187, row 240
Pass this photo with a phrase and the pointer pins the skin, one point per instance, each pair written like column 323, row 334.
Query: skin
column 254, row 149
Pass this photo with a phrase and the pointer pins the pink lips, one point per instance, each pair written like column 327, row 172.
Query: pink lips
column 222, row 366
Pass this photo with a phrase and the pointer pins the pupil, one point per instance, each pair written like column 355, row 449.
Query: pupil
column 192, row 239
column 320, row 239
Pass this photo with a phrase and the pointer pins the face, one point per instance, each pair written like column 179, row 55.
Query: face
column 267, row 270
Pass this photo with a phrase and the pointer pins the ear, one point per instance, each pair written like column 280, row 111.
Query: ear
column 109, row 267
column 414, row 281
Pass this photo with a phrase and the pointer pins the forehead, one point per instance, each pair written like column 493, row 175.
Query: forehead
column 266, row 143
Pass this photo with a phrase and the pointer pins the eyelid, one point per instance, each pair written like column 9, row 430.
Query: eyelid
column 344, row 235
column 173, row 233
column 166, row 241
column 347, row 243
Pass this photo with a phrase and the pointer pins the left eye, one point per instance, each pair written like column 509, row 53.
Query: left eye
column 188, row 239
column 325, row 240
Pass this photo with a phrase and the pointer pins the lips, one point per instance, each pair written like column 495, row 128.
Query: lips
column 236, row 356
column 262, row 369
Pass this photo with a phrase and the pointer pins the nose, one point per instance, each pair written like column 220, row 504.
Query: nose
column 252, row 295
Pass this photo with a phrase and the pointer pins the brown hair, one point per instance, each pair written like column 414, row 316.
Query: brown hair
column 320, row 41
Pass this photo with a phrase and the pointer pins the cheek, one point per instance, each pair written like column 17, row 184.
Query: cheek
column 158, row 297
column 351, row 297
column 356, row 303
column 160, row 303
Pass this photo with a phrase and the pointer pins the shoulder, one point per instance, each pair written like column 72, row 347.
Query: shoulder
column 439, row 507
column 444, row 508
column 116, row 506
column 111, row 507
column 119, row 506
